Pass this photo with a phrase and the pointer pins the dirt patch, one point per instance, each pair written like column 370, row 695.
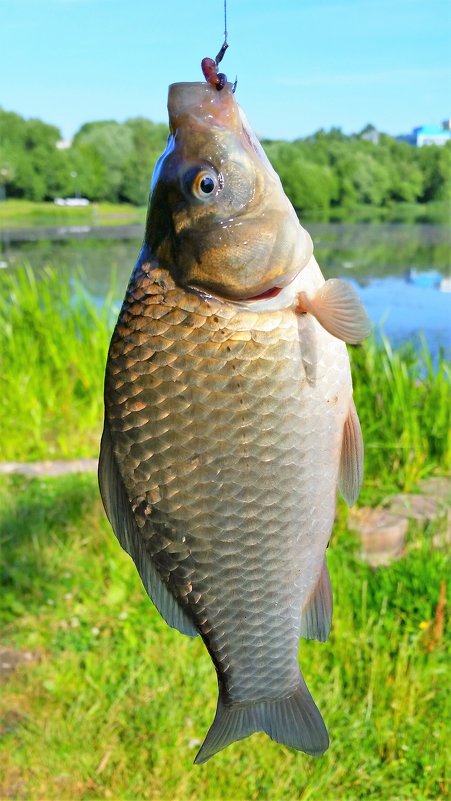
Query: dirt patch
column 12, row 658
column 49, row 468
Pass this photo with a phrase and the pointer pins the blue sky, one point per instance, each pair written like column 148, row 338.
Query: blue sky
column 301, row 64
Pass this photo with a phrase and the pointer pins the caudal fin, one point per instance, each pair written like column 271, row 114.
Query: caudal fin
column 293, row 721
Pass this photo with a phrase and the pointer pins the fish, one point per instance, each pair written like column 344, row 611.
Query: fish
column 229, row 419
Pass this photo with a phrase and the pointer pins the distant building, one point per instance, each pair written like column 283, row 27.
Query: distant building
column 428, row 135
column 64, row 144
column 370, row 134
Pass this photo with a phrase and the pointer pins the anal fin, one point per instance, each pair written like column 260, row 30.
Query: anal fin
column 350, row 474
column 316, row 617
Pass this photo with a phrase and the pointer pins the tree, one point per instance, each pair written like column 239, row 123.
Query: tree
column 28, row 148
column 308, row 185
column 435, row 164
column 149, row 141
column 110, row 145
column 114, row 161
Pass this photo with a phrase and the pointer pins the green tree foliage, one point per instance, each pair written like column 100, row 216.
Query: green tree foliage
column 113, row 161
column 28, row 155
column 435, row 165
column 149, row 140
column 366, row 172
column 110, row 145
column 308, row 184
column 122, row 156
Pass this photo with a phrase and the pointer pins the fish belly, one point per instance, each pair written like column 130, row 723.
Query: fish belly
column 226, row 427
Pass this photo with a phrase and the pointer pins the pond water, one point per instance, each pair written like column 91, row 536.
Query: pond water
column 402, row 272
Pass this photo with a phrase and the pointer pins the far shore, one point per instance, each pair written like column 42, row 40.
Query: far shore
column 15, row 213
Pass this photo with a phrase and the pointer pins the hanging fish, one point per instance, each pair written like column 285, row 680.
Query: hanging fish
column 229, row 419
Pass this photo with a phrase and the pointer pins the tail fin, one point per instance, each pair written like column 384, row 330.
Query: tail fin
column 293, row 721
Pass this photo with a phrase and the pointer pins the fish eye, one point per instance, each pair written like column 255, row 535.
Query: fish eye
column 206, row 185
column 203, row 184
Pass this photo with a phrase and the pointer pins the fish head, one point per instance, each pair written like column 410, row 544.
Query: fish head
column 218, row 218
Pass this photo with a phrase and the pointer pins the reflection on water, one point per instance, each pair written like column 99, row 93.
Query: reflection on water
column 398, row 269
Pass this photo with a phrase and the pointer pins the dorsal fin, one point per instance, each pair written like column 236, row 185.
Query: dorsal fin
column 120, row 515
column 350, row 474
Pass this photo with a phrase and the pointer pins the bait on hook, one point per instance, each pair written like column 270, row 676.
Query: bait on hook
column 210, row 66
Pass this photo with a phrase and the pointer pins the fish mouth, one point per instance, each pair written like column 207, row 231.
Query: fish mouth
column 272, row 292
column 267, row 295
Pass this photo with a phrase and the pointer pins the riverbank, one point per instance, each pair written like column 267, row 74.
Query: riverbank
column 24, row 213
column 21, row 213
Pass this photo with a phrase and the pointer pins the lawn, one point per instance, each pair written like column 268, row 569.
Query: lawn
column 25, row 213
column 114, row 703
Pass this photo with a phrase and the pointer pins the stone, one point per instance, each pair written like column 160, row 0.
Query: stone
column 422, row 508
column 381, row 533
column 438, row 487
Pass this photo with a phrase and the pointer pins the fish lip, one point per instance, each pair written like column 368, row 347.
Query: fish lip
column 268, row 294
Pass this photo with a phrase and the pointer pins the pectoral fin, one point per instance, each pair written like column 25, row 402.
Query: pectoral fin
column 338, row 309
column 350, row 474
column 120, row 514
column 316, row 615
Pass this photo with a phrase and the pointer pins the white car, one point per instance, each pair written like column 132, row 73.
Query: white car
column 71, row 201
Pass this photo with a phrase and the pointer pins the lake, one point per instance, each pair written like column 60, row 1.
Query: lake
column 401, row 271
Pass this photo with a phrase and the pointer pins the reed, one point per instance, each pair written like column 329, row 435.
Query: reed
column 403, row 401
column 53, row 345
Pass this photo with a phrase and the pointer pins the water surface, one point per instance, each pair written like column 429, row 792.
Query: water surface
column 401, row 271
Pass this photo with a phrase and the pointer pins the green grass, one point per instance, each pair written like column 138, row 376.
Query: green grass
column 53, row 346
column 116, row 702
column 22, row 213
column 403, row 401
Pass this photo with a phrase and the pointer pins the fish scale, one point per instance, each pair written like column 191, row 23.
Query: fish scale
column 260, row 461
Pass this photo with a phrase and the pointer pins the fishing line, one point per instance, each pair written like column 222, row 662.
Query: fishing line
column 224, row 47
column 210, row 66
column 225, row 20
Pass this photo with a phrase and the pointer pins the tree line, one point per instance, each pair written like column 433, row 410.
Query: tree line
column 112, row 161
